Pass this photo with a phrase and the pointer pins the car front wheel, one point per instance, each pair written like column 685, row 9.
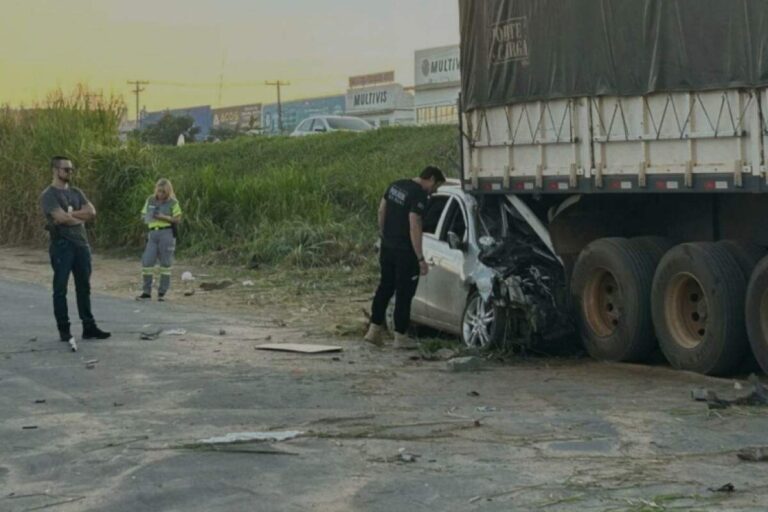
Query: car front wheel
column 483, row 323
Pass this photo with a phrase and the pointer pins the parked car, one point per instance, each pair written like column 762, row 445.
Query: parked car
column 325, row 124
column 494, row 276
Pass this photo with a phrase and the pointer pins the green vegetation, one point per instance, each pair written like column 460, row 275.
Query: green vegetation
column 308, row 202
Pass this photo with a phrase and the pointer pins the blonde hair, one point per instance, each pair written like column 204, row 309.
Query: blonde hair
column 167, row 186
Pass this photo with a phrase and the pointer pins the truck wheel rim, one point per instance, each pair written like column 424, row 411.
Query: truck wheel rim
column 687, row 310
column 478, row 323
column 603, row 303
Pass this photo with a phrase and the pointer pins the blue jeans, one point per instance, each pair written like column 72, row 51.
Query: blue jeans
column 68, row 257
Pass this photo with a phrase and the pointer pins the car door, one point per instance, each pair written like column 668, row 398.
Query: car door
column 446, row 290
column 430, row 227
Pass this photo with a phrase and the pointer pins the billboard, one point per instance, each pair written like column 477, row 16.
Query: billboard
column 202, row 116
column 296, row 111
column 437, row 66
column 240, row 118
column 374, row 78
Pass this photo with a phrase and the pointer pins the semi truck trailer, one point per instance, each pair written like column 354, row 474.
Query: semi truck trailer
column 636, row 131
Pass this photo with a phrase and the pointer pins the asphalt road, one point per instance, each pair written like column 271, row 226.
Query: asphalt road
column 381, row 432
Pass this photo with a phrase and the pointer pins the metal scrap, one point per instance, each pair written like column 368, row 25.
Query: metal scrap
column 249, row 437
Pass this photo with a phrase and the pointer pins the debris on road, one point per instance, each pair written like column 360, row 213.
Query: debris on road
column 300, row 348
column 32, row 340
column 465, row 364
column 40, row 401
column 248, row 283
column 222, row 332
column 473, row 393
column 91, row 364
column 29, row 427
column 248, row 437
column 729, row 487
column 758, row 396
column 759, row 454
column 187, row 276
column 407, row 457
column 150, row 335
column 117, row 404
column 175, row 332
column 216, row 285
column 486, row 408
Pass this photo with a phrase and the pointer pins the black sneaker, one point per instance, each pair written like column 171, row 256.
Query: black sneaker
column 92, row 332
column 144, row 296
column 65, row 335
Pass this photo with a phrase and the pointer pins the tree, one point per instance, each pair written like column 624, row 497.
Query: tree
column 167, row 130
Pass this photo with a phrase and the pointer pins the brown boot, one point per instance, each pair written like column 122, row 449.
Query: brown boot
column 375, row 335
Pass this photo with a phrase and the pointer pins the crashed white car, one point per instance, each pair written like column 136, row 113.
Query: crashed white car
column 494, row 277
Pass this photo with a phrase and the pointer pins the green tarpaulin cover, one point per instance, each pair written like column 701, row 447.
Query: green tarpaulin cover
column 527, row 50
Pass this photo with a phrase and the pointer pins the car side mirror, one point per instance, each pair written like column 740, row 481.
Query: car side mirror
column 454, row 242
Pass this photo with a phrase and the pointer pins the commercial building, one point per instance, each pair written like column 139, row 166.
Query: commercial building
column 379, row 100
column 437, row 79
column 294, row 112
column 202, row 116
column 242, row 118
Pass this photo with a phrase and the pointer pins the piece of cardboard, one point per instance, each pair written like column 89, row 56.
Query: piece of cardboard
column 300, row 348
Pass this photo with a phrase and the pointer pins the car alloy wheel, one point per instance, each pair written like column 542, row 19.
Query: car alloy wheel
column 478, row 323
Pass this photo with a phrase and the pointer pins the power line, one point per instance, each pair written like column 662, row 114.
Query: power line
column 138, row 89
column 278, row 84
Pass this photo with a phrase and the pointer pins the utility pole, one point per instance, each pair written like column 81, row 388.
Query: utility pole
column 138, row 89
column 278, row 84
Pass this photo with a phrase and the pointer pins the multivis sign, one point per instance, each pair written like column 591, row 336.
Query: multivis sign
column 372, row 99
column 437, row 66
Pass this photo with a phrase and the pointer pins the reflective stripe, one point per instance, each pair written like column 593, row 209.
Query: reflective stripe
column 165, row 271
column 159, row 224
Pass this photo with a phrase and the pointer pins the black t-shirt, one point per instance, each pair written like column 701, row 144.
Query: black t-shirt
column 403, row 197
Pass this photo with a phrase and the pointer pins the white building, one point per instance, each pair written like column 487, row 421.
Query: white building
column 380, row 101
column 438, row 82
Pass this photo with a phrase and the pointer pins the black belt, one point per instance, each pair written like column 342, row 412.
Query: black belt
column 158, row 229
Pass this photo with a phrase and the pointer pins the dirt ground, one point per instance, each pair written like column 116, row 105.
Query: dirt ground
column 381, row 430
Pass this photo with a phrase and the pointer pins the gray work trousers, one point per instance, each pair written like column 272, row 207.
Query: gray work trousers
column 161, row 246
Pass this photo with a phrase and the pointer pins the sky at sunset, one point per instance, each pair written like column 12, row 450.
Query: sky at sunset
column 184, row 46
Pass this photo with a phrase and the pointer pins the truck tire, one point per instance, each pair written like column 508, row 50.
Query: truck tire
column 483, row 324
column 611, row 288
column 757, row 313
column 697, row 302
column 656, row 245
column 747, row 254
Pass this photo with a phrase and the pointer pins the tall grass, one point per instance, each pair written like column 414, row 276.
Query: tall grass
column 78, row 125
column 300, row 201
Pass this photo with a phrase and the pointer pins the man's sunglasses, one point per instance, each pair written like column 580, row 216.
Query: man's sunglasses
column 67, row 169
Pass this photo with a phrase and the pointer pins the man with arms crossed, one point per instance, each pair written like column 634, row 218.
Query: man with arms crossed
column 66, row 211
column 401, row 258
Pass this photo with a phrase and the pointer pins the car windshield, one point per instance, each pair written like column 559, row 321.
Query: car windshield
column 357, row 125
